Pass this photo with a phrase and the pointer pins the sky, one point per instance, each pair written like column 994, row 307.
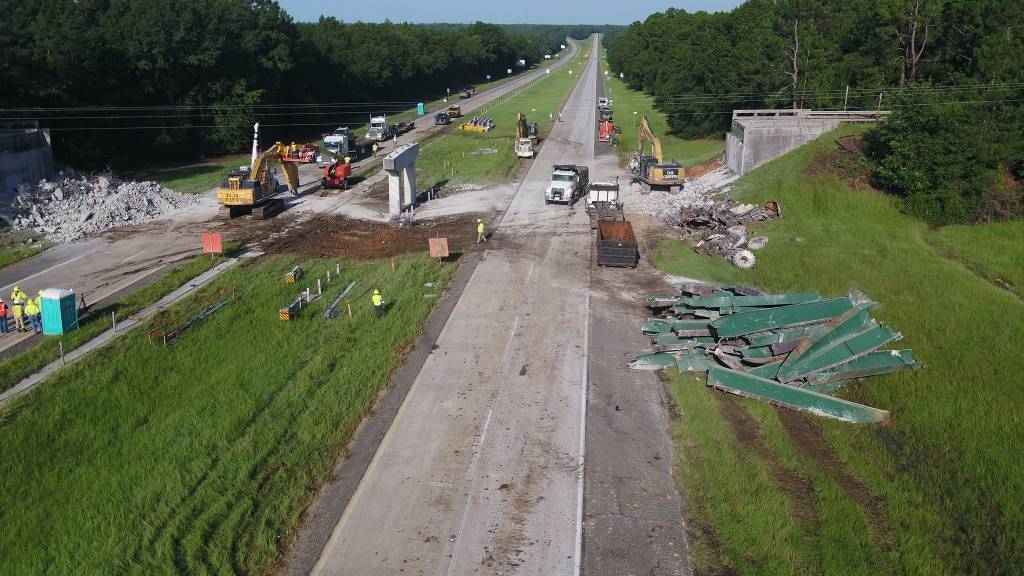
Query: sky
column 496, row 12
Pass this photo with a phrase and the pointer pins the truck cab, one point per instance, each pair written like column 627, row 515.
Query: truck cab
column 380, row 129
column 524, row 148
column 604, row 192
column 568, row 183
column 336, row 145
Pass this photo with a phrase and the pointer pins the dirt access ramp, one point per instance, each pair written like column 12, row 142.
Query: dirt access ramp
column 348, row 238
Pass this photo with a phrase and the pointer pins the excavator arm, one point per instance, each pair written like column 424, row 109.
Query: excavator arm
column 647, row 135
column 273, row 154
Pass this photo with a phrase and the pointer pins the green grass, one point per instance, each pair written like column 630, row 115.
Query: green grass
column 947, row 468
column 449, row 157
column 992, row 250
column 15, row 246
column 625, row 102
column 13, row 369
column 200, row 177
column 191, row 178
column 201, row 456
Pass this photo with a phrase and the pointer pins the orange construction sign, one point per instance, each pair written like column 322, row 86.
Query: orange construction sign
column 438, row 247
column 212, row 243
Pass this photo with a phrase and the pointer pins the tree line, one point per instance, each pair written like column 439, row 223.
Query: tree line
column 951, row 70
column 123, row 82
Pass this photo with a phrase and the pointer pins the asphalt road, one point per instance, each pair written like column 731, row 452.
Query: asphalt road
column 104, row 266
column 481, row 470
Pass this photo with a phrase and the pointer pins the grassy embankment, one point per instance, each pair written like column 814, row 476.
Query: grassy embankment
column 200, row 456
column 946, row 473
column 625, row 102
column 13, row 369
column 450, row 157
column 14, row 246
column 202, row 176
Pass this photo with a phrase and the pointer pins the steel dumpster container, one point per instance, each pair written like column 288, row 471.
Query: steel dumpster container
column 616, row 244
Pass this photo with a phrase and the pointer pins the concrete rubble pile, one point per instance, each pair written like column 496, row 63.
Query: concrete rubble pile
column 791, row 350
column 713, row 222
column 75, row 205
column 721, row 229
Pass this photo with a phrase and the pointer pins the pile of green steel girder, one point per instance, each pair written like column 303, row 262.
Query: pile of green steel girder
column 792, row 350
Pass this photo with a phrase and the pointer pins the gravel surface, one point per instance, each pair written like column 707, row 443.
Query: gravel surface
column 74, row 205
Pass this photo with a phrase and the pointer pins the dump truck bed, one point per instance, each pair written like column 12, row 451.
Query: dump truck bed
column 616, row 244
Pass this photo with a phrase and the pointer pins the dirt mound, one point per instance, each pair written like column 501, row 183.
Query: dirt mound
column 348, row 238
column 847, row 161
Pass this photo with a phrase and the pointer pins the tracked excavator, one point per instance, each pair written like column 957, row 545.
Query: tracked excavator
column 652, row 169
column 255, row 189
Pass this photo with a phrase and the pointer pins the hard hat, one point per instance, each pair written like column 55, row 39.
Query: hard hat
column 376, row 291
column 479, row 220
column 40, row 292
column 16, row 289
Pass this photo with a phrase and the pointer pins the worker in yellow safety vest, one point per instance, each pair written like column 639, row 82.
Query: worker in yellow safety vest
column 480, row 236
column 375, row 149
column 348, row 159
column 378, row 304
column 18, row 299
column 32, row 311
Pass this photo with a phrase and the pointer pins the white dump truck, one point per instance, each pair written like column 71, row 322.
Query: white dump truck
column 603, row 202
column 569, row 183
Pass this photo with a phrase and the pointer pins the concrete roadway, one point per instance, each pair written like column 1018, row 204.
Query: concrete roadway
column 481, row 470
column 106, row 266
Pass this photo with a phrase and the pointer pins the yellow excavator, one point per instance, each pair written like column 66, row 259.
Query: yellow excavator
column 255, row 189
column 653, row 170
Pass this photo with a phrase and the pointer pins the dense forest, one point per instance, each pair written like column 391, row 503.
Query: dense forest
column 952, row 71
column 121, row 82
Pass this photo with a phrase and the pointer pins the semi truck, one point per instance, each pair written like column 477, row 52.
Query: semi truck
column 569, row 183
column 342, row 143
column 380, row 130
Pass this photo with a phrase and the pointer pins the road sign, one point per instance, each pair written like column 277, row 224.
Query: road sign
column 438, row 247
column 448, row 90
column 212, row 243
column 509, row 71
column 488, row 76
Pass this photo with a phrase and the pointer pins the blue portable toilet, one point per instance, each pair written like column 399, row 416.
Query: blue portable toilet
column 60, row 311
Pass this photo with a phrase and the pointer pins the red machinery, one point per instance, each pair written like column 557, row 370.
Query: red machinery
column 605, row 131
column 336, row 175
column 301, row 153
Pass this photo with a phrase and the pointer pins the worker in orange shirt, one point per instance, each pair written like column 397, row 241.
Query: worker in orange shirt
column 3, row 316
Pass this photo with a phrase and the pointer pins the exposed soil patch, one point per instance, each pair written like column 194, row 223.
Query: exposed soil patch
column 799, row 490
column 808, row 439
column 704, row 167
column 341, row 237
column 847, row 161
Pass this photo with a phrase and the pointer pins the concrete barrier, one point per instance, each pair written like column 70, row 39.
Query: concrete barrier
column 760, row 136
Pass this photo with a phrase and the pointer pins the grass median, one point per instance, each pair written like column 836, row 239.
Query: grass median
column 25, row 363
column 201, row 456
column 942, row 482
column 464, row 157
column 16, row 246
column 629, row 105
